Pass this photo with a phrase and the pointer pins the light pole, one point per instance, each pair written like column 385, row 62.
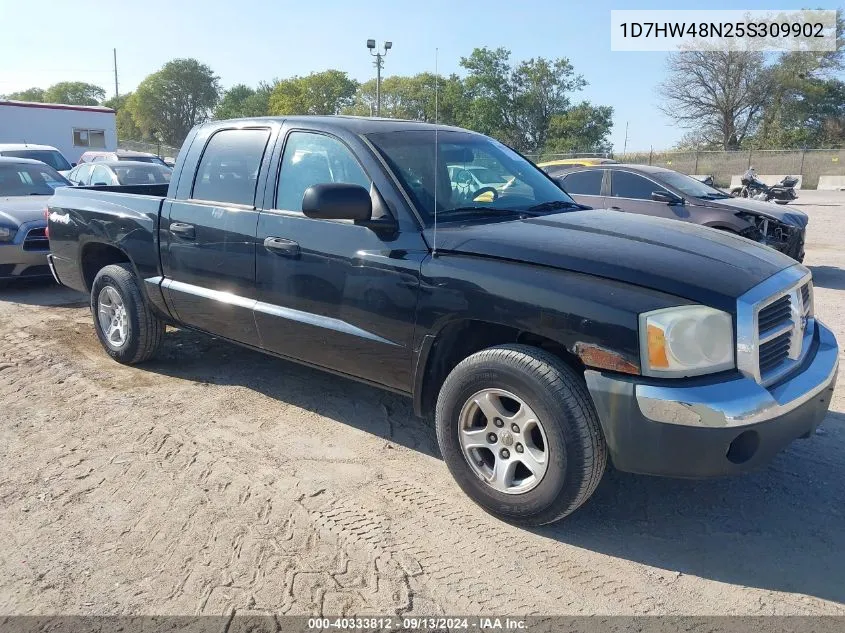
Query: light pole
column 378, row 63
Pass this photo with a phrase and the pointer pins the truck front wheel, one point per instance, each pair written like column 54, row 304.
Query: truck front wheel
column 520, row 435
column 128, row 330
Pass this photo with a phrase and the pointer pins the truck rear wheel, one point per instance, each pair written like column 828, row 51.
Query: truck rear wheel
column 519, row 433
column 127, row 328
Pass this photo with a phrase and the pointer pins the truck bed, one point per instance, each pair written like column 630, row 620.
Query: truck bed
column 125, row 217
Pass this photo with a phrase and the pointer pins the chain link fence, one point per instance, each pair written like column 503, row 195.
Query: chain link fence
column 160, row 149
column 810, row 163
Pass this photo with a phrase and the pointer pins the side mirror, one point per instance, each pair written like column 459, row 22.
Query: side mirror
column 665, row 196
column 74, row 164
column 337, row 201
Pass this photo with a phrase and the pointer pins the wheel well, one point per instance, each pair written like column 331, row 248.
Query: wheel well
column 95, row 257
column 461, row 339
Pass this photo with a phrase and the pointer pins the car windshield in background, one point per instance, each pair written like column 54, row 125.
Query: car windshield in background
column 46, row 156
column 25, row 179
column 476, row 176
column 690, row 186
column 142, row 174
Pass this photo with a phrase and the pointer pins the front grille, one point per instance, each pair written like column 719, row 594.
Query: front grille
column 774, row 315
column 774, row 352
column 782, row 326
column 36, row 240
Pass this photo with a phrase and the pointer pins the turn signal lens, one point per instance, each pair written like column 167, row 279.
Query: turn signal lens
column 657, row 348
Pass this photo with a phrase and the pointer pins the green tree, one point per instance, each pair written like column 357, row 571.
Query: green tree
column 327, row 92
column 413, row 98
column 516, row 104
column 489, row 93
column 30, row 94
column 170, row 102
column 243, row 101
column 806, row 103
column 541, row 88
column 582, row 128
column 74, row 93
column 127, row 128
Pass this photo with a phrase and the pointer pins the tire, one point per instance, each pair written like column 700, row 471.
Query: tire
column 143, row 331
column 575, row 452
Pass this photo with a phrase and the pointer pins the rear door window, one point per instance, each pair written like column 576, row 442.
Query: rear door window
column 228, row 170
column 584, row 183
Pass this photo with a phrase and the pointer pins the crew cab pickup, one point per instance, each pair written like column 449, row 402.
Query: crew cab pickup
column 544, row 337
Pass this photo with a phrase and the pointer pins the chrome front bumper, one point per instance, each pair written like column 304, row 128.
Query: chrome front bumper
column 742, row 401
column 710, row 426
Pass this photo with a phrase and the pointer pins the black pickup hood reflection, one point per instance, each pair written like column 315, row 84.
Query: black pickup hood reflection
column 697, row 263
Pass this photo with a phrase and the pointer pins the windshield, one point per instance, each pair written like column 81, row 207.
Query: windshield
column 142, row 174
column 476, row 175
column 25, row 179
column 690, row 186
column 50, row 157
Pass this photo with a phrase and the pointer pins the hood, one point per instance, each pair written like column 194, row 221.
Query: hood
column 792, row 216
column 20, row 209
column 686, row 260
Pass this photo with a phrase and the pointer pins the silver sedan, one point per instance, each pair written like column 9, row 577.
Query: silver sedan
column 25, row 186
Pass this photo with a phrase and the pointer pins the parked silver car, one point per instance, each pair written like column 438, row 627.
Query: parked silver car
column 25, row 185
column 123, row 172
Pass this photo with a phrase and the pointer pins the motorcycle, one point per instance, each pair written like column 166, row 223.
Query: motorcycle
column 752, row 187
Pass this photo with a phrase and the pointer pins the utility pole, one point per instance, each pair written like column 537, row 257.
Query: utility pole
column 116, row 94
column 379, row 64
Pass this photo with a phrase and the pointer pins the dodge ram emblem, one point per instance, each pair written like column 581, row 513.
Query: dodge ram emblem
column 507, row 438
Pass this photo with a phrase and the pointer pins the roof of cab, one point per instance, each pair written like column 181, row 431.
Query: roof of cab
column 355, row 124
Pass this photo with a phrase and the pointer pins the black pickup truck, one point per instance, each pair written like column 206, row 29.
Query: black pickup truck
column 543, row 336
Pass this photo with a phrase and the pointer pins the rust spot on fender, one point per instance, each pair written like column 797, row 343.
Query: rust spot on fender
column 599, row 357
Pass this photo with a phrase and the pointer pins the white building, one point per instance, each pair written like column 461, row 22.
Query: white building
column 71, row 129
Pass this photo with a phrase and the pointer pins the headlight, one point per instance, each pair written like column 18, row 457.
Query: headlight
column 686, row 341
column 7, row 233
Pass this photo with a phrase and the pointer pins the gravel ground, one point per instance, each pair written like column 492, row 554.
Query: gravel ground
column 217, row 479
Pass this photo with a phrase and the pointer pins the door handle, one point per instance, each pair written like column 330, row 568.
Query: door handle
column 185, row 231
column 282, row 246
column 616, row 208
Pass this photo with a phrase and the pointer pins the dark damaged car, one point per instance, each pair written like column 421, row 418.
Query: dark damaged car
column 670, row 194
column 544, row 338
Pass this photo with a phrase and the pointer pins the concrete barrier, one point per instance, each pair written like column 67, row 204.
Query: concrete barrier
column 769, row 179
column 831, row 183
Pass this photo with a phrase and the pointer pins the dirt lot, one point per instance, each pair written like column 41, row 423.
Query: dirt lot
column 216, row 479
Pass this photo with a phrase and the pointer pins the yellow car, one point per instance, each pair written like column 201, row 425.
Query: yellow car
column 553, row 167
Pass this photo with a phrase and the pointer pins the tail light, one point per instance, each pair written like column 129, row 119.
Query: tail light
column 47, row 218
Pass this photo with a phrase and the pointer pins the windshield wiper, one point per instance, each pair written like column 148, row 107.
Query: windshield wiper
column 713, row 196
column 480, row 210
column 551, row 205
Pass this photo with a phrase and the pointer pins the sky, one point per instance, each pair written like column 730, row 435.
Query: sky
column 248, row 41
